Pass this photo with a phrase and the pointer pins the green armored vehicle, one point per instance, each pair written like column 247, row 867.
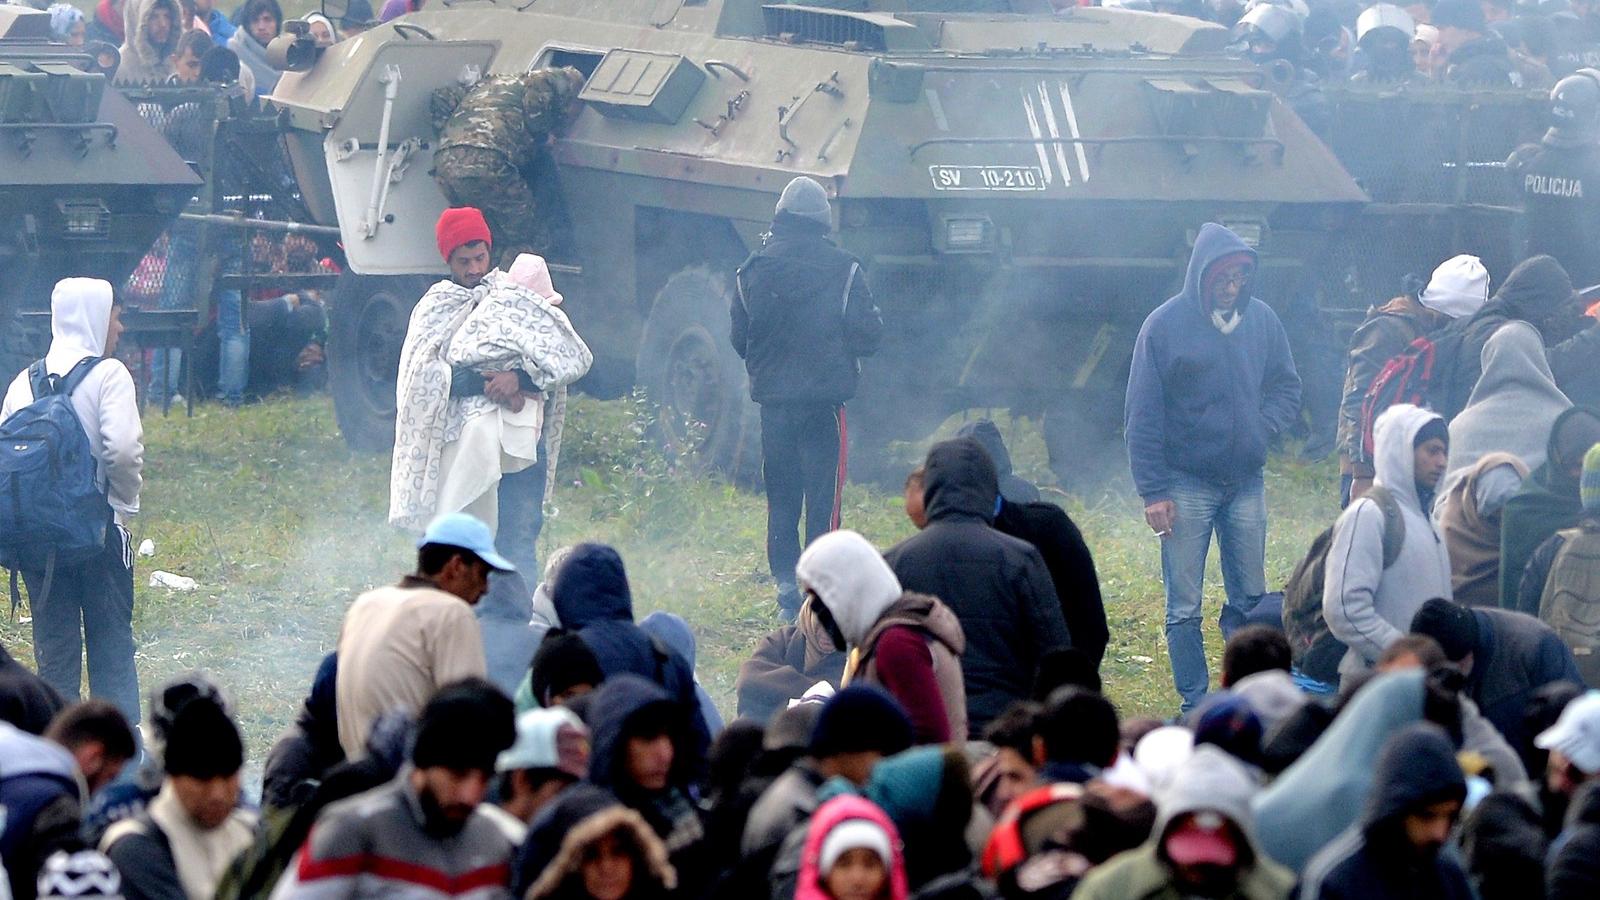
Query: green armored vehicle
column 1022, row 187
column 86, row 186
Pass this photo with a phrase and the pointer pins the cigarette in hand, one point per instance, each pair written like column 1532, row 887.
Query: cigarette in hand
column 1162, row 534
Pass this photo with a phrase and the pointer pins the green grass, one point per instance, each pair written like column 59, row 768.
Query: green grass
column 282, row 527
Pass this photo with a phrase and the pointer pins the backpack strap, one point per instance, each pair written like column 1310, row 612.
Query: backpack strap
column 43, row 384
column 69, row 382
column 1394, row 524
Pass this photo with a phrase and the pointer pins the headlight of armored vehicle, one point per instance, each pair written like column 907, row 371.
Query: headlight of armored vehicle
column 966, row 234
column 84, row 218
column 1251, row 231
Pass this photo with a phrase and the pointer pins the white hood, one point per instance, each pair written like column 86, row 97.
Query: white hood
column 1395, row 464
column 80, row 313
column 851, row 578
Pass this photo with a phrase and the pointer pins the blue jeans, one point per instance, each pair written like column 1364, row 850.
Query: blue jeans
column 233, row 338
column 177, row 287
column 1237, row 513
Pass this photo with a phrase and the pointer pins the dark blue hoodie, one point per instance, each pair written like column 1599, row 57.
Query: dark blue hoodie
column 1202, row 402
column 593, row 601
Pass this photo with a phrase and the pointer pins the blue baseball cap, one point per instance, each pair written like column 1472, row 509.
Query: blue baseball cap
column 467, row 532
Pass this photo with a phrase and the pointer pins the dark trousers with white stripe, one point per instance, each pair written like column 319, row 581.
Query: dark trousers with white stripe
column 803, row 466
column 89, row 605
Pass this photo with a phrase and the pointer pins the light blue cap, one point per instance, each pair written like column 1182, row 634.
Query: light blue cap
column 467, row 532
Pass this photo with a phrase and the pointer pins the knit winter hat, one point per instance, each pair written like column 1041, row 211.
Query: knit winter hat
column 1459, row 287
column 854, row 834
column 805, row 198
column 86, row 873
column 203, row 742
column 458, row 226
column 860, row 719
column 1454, row 626
column 465, row 726
column 1436, row 428
column 1589, row 483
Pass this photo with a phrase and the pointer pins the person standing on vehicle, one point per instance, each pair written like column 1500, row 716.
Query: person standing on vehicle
column 1212, row 381
column 802, row 319
column 493, row 132
column 90, row 602
column 1559, row 179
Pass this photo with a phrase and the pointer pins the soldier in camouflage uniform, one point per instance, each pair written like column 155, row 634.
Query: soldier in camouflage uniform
column 490, row 135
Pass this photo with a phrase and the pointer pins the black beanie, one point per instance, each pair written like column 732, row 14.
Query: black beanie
column 1454, row 626
column 860, row 719
column 203, row 742
column 464, row 727
column 562, row 660
column 1436, row 428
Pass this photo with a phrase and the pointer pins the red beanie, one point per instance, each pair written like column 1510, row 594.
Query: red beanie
column 460, row 225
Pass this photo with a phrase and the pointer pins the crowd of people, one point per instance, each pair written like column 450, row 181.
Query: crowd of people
column 932, row 722
column 1413, row 716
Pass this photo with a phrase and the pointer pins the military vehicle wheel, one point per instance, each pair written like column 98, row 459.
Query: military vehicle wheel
column 1081, row 438
column 366, row 331
column 688, row 369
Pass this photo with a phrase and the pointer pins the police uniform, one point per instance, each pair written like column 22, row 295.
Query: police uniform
column 490, row 135
column 1560, row 188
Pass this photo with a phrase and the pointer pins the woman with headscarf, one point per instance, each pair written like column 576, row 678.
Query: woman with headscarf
column 67, row 24
column 259, row 22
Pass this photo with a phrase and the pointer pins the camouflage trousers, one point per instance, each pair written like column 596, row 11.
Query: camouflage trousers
column 486, row 179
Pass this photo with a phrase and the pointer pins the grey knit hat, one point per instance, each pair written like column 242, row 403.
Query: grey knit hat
column 805, row 198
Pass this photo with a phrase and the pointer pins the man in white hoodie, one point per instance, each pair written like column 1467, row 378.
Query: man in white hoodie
column 85, row 322
column 1375, row 583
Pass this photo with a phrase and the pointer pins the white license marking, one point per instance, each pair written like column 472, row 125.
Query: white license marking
column 987, row 178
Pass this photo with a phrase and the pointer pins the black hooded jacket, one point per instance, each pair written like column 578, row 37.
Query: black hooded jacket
column 1574, row 870
column 593, row 600
column 802, row 316
column 997, row 585
column 1372, row 860
column 26, row 700
column 1538, row 291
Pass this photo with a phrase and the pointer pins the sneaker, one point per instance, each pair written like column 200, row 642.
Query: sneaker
column 788, row 602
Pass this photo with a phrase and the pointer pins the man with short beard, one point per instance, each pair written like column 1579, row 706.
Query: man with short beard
column 424, row 829
column 1394, row 850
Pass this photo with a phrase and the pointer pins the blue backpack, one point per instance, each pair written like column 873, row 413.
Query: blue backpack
column 52, row 511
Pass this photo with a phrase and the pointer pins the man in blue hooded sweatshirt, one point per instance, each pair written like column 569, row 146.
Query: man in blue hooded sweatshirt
column 1212, row 382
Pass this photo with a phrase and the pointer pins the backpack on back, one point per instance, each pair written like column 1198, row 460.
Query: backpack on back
column 1407, row 377
column 51, row 508
column 1313, row 648
column 1571, row 600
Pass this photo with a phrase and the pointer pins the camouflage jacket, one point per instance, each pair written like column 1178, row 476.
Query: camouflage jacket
column 513, row 114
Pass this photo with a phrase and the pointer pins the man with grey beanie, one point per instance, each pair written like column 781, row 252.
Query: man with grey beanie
column 802, row 319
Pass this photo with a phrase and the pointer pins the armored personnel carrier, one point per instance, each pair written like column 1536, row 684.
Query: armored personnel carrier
column 1022, row 187
column 86, row 186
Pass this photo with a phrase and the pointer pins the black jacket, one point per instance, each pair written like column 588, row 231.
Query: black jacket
column 1370, row 860
column 1485, row 62
column 1057, row 538
column 802, row 317
column 1561, row 192
column 1538, row 291
column 1515, row 655
column 1574, row 870
column 26, row 700
column 997, row 585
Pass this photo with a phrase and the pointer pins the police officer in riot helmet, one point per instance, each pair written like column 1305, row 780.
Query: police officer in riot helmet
column 1383, row 41
column 1560, row 179
column 1271, row 32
